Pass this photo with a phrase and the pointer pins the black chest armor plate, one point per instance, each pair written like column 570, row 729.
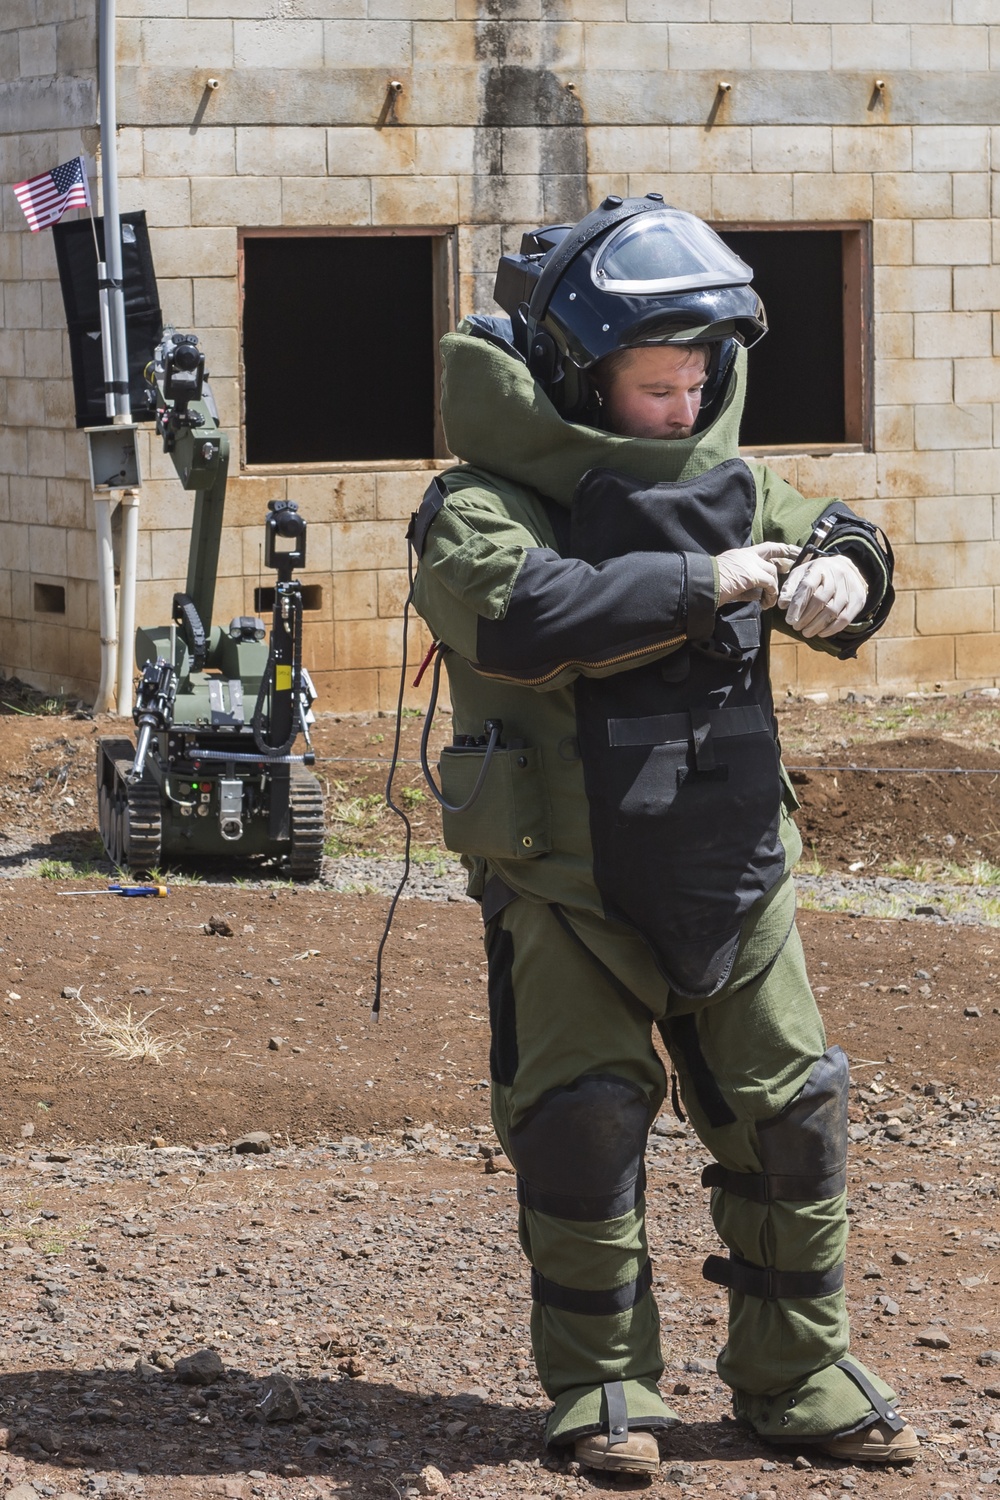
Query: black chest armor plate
column 680, row 757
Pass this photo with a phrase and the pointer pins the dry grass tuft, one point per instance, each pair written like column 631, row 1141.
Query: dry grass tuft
column 123, row 1035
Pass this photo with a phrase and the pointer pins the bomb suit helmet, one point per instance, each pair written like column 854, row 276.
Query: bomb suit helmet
column 634, row 272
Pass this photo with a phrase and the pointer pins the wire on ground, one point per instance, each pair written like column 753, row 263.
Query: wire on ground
column 381, row 760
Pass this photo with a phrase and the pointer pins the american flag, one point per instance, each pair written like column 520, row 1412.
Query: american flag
column 46, row 198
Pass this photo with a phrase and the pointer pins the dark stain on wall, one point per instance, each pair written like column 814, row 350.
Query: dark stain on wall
column 520, row 92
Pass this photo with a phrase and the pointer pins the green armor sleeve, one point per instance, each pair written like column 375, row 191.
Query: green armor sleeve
column 784, row 515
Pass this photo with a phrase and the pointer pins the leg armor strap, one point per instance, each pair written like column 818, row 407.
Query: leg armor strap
column 617, row 1411
column 768, row 1187
column 770, row 1284
column 580, row 1206
column 888, row 1414
column 596, row 1304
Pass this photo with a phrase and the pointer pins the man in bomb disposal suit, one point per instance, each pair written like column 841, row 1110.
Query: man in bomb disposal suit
column 603, row 572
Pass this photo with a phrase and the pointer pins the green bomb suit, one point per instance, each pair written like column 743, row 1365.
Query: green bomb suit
column 632, row 848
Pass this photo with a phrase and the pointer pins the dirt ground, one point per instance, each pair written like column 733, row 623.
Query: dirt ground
column 368, row 1255
column 849, row 818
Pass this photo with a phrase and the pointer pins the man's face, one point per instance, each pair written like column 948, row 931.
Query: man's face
column 654, row 392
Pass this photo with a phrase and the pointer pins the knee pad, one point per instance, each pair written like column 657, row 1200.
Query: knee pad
column 803, row 1153
column 803, row 1150
column 579, row 1152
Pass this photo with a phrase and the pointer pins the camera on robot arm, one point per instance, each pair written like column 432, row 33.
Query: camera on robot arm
column 177, row 373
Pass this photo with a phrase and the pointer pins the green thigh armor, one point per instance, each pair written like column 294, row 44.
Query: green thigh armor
column 576, row 1084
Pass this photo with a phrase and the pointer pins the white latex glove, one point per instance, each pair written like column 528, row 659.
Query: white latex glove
column 823, row 595
column 752, row 572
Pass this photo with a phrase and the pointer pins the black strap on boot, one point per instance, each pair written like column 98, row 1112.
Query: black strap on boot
column 617, row 1410
column 886, row 1413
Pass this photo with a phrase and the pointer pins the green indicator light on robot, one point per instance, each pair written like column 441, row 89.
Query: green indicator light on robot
column 194, row 786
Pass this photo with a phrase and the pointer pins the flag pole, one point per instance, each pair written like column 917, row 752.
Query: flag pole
column 116, row 297
column 105, row 699
column 90, row 207
column 107, row 354
column 112, row 221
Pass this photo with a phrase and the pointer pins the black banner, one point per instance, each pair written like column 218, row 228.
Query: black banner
column 77, row 264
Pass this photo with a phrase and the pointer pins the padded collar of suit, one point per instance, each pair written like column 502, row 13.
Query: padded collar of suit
column 497, row 418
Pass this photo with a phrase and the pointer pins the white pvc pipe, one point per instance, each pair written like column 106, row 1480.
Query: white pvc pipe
column 126, row 600
column 105, row 700
column 106, row 352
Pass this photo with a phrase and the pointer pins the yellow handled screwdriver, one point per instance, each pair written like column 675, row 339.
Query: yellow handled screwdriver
column 124, row 890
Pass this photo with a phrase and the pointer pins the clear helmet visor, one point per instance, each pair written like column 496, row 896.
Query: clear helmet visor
column 666, row 251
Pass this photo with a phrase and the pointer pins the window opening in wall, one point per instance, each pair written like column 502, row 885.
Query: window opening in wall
column 312, row 598
column 340, row 346
column 809, row 380
column 50, row 599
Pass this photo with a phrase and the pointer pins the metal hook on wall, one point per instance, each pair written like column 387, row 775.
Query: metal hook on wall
column 877, row 99
column 722, row 90
column 387, row 114
column 211, row 87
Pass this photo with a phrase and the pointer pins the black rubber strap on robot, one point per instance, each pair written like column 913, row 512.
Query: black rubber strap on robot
column 267, row 682
column 682, row 1033
column 184, row 612
column 765, row 1187
column 617, row 1412
column 579, row 1207
column 769, row 1284
column 572, row 1299
column 888, row 1414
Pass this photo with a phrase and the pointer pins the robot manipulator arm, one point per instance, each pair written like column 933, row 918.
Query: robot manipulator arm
column 154, row 708
column 183, row 397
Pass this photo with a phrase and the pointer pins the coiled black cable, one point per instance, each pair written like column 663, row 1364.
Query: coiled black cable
column 492, row 725
column 494, row 729
column 393, row 807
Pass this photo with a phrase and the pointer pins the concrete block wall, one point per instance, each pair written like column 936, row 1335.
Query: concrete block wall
column 513, row 114
column 48, row 108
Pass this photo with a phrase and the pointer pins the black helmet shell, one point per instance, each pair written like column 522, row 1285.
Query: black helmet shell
column 633, row 272
column 641, row 272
